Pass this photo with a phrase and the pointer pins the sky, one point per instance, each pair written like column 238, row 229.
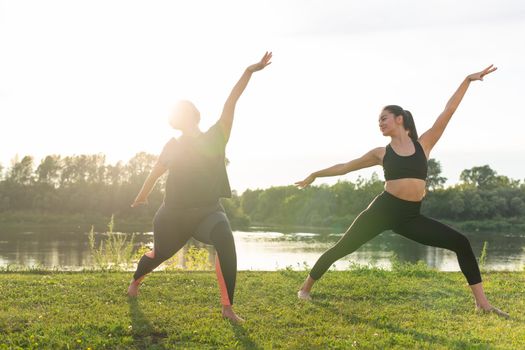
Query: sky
column 84, row 77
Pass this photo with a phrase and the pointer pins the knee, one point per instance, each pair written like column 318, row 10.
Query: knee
column 335, row 253
column 462, row 244
column 156, row 256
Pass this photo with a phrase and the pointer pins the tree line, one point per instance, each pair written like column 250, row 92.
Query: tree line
column 87, row 184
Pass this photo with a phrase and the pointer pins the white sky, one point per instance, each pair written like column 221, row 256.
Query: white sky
column 101, row 76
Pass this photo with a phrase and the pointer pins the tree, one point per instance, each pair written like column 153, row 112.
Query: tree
column 95, row 167
column 434, row 180
column 250, row 201
column 140, row 166
column 22, row 171
column 114, row 174
column 68, row 173
column 483, row 177
column 517, row 206
column 48, row 171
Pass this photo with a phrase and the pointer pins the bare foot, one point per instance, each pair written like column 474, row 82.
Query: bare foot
column 227, row 312
column 304, row 292
column 493, row 310
column 133, row 289
column 301, row 294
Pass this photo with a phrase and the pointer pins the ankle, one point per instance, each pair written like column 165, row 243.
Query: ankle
column 308, row 284
column 227, row 308
column 305, row 289
column 136, row 282
column 484, row 306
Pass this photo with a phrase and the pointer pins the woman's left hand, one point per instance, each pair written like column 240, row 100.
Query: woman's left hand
column 261, row 64
column 306, row 182
column 139, row 201
column 480, row 75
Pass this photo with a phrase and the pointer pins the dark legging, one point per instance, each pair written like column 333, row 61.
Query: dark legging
column 173, row 228
column 387, row 212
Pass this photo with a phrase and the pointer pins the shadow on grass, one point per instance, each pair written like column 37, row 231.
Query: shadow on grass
column 243, row 337
column 144, row 334
column 393, row 328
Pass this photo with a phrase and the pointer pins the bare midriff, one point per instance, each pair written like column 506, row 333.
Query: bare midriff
column 407, row 189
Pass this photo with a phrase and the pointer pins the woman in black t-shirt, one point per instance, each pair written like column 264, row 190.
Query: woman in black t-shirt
column 196, row 181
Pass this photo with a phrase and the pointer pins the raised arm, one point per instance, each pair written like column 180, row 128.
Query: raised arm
column 432, row 135
column 226, row 119
column 373, row 157
column 149, row 183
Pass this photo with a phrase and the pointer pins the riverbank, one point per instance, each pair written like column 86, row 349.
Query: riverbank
column 29, row 220
column 410, row 307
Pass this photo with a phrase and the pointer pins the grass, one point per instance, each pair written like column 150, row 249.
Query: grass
column 366, row 308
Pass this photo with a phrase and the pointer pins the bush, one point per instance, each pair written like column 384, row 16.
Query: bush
column 115, row 252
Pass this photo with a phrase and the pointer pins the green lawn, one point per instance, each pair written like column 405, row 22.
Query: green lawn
column 412, row 307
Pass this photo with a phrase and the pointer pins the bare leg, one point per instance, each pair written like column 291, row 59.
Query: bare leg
column 304, row 292
column 479, row 295
column 482, row 303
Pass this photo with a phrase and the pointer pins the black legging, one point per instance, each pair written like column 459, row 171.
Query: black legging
column 387, row 212
column 173, row 228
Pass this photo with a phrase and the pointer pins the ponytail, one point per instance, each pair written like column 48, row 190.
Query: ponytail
column 408, row 120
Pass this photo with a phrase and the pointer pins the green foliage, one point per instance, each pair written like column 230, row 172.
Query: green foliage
column 434, row 179
column 233, row 209
column 140, row 251
column 418, row 269
column 79, row 184
column 197, row 259
column 172, row 264
column 483, row 256
column 193, row 259
column 21, row 172
column 483, row 177
column 85, row 185
column 114, row 252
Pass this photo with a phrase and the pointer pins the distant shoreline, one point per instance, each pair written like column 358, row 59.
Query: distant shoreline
column 23, row 220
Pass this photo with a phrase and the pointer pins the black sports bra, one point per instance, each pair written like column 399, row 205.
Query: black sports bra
column 402, row 167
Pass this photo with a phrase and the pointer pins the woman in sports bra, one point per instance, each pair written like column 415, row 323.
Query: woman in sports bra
column 404, row 161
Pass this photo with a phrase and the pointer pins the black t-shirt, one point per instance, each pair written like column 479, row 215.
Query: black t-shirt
column 197, row 170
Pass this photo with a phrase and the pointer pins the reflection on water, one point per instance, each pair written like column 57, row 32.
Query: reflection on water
column 268, row 250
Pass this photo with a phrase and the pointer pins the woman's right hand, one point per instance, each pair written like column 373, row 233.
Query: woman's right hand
column 480, row 75
column 306, row 182
column 139, row 201
column 261, row 64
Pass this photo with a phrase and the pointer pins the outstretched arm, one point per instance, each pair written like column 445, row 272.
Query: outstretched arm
column 226, row 119
column 149, row 183
column 374, row 157
column 432, row 135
